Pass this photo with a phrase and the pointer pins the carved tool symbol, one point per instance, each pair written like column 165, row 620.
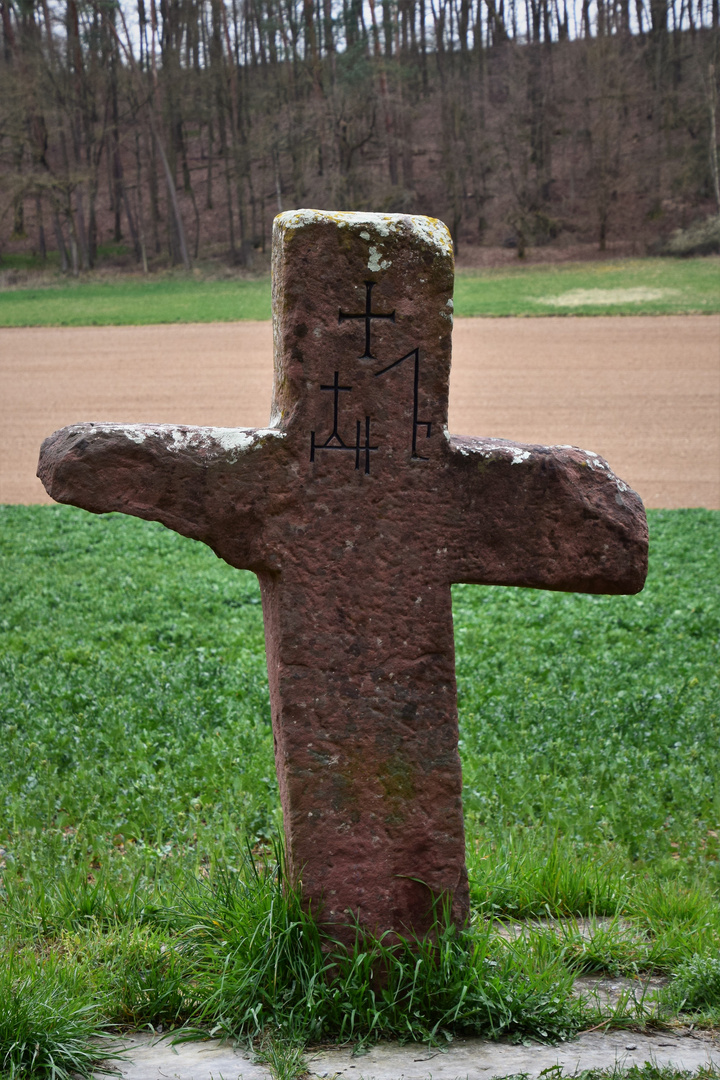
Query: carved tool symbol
column 427, row 424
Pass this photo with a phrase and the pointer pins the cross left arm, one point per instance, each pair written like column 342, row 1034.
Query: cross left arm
column 543, row 517
column 205, row 483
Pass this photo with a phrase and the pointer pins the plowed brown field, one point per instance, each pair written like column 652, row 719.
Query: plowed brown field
column 644, row 392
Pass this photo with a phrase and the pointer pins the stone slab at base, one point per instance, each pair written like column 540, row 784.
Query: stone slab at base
column 151, row 1058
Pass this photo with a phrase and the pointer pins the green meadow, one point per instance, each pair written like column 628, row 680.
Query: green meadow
column 627, row 287
column 139, row 821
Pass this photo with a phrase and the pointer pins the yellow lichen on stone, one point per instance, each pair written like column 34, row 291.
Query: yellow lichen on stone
column 429, row 231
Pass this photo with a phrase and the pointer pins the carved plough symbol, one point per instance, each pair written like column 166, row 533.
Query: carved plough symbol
column 363, row 449
column 334, row 441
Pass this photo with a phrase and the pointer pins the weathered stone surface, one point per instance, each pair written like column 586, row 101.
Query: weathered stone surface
column 357, row 512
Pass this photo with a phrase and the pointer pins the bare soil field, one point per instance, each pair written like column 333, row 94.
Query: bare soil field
column 644, row 392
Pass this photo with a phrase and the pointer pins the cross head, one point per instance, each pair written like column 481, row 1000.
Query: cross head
column 356, row 552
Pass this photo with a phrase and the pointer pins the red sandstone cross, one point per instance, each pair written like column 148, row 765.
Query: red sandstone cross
column 358, row 511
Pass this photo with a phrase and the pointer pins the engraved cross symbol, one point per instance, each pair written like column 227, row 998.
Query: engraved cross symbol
column 368, row 315
column 356, row 569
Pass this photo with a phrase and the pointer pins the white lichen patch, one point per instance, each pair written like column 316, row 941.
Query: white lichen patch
column 434, row 232
column 228, row 441
column 376, row 261
column 603, row 297
column 499, row 449
column 594, row 461
column 579, row 450
column 235, row 438
column 492, row 448
column 430, row 231
column 519, row 455
column 135, row 433
column 379, row 224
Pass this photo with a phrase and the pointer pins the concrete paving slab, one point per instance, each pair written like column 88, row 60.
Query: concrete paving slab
column 154, row 1058
column 477, row 1059
column 148, row 1057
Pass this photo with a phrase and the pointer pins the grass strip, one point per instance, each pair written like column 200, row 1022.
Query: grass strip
column 648, row 1071
column 618, row 287
column 626, row 287
column 136, row 302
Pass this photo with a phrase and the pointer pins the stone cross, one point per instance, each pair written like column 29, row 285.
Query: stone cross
column 357, row 511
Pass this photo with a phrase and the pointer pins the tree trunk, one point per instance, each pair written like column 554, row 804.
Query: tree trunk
column 172, row 196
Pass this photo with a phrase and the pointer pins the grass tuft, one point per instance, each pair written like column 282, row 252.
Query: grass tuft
column 266, row 964
column 284, row 1060
column 696, row 986
column 520, row 878
column 49, row 1022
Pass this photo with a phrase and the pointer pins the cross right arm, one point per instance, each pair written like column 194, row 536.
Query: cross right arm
column 547, row 517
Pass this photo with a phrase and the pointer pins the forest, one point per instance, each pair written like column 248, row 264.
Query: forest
column 174, row 130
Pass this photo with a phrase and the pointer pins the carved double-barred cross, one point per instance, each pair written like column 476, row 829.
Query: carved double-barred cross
column 356, row 564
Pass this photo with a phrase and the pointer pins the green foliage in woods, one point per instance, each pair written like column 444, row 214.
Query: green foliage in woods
column 137, row 771
column 701, row 238
column 633, row 286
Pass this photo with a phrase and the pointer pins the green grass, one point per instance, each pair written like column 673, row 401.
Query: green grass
column 136, row 302
column 571, row 702
column 137, row 768
column 668, row 287
column 49, row 1022
column 623, row 287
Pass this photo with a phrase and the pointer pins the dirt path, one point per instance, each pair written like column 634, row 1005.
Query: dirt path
column 643, row 392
